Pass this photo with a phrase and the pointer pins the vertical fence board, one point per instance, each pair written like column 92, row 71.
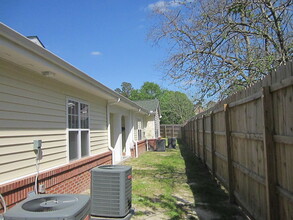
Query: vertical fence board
column 229, row 154
column 173, row 131
column 197, row 138
column 212, row 143
column 269, row 155
column 203, row 140
column 249, row 145
column 194, row 133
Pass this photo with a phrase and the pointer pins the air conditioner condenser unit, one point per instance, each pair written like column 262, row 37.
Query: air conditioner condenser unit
column 51, row 206
column 111, row 191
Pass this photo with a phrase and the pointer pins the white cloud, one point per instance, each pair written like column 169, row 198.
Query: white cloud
column 160, row 6
column 163, row 6
column 96, row 53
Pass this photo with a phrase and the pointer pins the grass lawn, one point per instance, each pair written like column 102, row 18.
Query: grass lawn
column 176, row 185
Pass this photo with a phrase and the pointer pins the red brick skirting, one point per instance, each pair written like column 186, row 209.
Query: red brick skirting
column 72, row 178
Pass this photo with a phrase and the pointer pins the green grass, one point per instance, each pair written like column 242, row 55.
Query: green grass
column 158, row 177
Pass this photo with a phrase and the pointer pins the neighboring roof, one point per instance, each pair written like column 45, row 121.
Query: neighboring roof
column 21, row 51
column 36, row 40
column 151, row 105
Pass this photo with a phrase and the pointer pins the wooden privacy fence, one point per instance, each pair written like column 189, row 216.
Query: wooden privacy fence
column 246, row 141
column 170, row 131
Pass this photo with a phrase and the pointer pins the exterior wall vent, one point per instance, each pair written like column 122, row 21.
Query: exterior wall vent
column 111, row 191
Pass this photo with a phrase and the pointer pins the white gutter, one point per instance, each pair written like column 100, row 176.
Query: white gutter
column 133, row 139
column 109, row 133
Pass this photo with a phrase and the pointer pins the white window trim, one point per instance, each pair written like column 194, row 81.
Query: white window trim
column 79, row 130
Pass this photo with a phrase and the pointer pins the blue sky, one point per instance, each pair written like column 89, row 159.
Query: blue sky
column 106, row 39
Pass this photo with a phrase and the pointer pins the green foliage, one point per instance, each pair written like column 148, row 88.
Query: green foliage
column 148, row 90
column 126, row 89
column 176, row 107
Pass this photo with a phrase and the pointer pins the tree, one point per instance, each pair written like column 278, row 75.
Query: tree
column 176, row 107
column 148, row 90
column 221, row 46
column 126, row 89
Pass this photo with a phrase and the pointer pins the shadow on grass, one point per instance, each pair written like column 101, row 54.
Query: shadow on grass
column 175, row 211
column 207, row 193
column 163, row 174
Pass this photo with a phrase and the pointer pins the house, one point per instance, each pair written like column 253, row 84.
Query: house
column 152, row 130
column 81, row 123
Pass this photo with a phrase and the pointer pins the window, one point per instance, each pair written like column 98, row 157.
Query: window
column 78, row 129
column 139, row 134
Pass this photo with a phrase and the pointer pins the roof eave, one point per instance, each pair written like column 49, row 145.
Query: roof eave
column 16, row 40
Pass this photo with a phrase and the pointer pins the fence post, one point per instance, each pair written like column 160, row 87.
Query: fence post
column 165, row 130
column 203, row 140
column 194, row 124
column 193, row 137
column 229, row 154
column 269, row 155
column 197, row 138
column 212, row 142
column 188, row 134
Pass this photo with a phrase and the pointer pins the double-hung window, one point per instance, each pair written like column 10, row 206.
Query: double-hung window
column 78, row 129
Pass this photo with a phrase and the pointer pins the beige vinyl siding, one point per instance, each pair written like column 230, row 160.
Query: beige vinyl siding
column 157, row 125
column 150, row 127
column 34, row 107
column 135, row 128
column 144, row 127
column 27, row 105
column 98, row 125
column 29, row 110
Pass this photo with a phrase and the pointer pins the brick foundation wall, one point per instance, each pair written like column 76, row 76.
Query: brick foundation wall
column 71, row 178
column 142, row 146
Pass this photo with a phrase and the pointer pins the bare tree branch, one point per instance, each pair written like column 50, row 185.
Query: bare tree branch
column 220, row 46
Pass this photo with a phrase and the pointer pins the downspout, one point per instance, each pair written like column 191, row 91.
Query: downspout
column 109, row 129
column 133, row 139
column 136, row 149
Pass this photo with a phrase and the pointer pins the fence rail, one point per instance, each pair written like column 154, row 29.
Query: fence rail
column 246, row 141
column 170, row 131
